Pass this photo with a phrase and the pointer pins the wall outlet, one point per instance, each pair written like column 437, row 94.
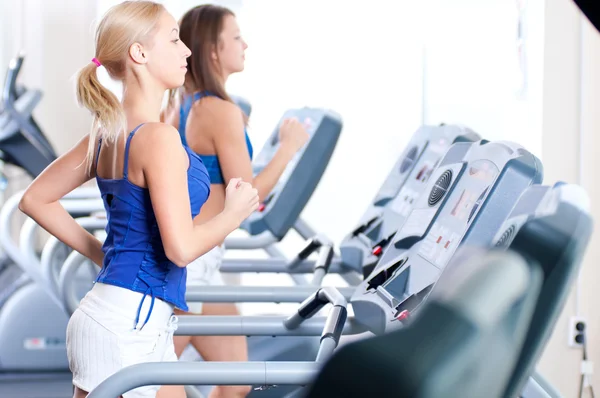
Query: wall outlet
column 577, row 331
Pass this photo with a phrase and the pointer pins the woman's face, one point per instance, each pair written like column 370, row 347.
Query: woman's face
column 231, row 47
column 167, row 58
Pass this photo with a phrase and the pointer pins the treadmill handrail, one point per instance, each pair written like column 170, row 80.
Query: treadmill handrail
column 255, row 294
column 206, row 373
column 65, row 287
column 330, row 334
column 244, row 325
column 279, row 265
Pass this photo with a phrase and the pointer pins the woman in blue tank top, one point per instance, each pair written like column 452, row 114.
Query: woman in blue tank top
column 152, row 188
column 214, row 127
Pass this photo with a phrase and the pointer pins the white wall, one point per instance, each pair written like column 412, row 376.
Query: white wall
column 473, row 72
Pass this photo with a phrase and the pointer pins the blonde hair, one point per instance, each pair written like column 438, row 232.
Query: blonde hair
column 122, row 26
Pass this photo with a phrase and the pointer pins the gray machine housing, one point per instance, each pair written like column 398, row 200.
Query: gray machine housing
column 557, row 238
column 282, row 207
column 471, row 178
column 477, row 312
column 402, row 187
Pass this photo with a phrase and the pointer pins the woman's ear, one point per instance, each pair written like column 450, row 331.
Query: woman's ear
column 137, row 54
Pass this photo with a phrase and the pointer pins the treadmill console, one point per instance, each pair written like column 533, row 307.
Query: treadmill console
column 361, row 249
column 281, row 208
column 489, row 176
column 22, row 142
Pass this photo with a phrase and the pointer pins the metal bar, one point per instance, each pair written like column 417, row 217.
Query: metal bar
column 206, row 373
column 255, row 294
column 278, row 265
column 313, row 304
column 225, row 325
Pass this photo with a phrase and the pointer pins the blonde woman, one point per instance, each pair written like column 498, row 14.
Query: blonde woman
column 152, row 188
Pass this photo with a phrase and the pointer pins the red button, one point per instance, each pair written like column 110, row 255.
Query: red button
column 377, row 250
column 261, row 207
column 403, row 315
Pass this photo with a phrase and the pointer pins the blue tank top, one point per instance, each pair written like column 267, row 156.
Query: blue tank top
column 210, row 161
column 134, row 256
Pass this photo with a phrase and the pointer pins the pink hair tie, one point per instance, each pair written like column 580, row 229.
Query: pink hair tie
column 95, row 60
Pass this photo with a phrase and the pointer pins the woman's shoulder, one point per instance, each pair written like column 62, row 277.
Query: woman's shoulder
column 213, row 113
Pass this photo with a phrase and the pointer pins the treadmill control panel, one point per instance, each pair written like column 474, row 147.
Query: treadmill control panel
column 490, row 176
column 281, row 208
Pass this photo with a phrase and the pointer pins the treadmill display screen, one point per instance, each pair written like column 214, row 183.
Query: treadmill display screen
column 447, row 231
column 464, row 204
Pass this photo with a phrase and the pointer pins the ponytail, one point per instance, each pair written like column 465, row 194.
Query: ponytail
column 107, row 112
column 122, row 25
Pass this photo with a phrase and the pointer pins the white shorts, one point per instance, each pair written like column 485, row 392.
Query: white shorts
column 101, row 338
column 204, row 271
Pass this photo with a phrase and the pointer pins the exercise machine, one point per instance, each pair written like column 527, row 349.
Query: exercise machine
column 464, row 158
column 564, row 227
column 480, row 309
column 406, row 181
column 469, row 197
column 558, row 225
column 559, row 211
column 280, row 210
column 463, row 343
